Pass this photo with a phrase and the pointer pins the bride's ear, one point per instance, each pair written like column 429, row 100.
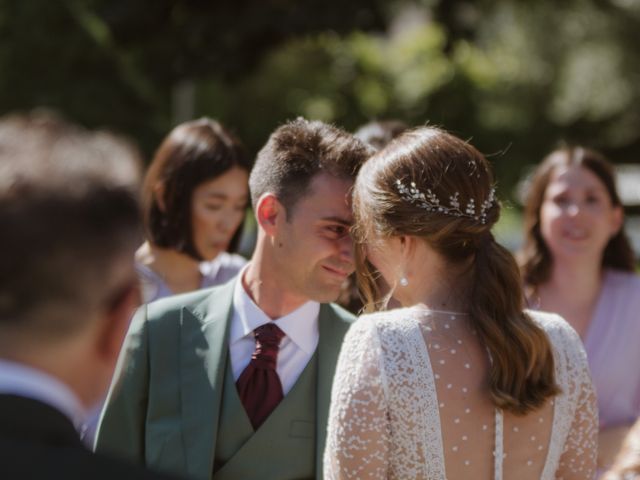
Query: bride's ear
column 407, row 246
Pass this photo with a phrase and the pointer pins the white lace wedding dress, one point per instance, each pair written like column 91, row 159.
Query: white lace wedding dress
column 410, row 401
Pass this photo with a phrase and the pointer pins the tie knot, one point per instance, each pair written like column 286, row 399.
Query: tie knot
column 268, row 337
column 259, row 385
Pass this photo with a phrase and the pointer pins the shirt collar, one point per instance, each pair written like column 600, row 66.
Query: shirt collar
column 22, row 380
column 301, row 325
column 212, row 267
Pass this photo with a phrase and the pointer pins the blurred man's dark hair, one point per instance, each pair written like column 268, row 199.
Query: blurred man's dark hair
column 68, row 216
column 69, row 227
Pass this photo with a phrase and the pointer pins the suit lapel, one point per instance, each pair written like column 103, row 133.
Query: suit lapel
column 332, row 331
column 204, row 347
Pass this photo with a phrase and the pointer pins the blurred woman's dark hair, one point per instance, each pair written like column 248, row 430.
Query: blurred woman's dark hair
column 535, row 258
column 194, row 152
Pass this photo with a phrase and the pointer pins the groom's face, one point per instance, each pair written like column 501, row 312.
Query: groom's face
column 315, row 247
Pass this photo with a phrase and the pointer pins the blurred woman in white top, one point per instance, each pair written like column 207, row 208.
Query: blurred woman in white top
column 195, row 196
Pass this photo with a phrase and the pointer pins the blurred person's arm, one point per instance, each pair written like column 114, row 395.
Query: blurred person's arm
column 121, row 430
column 627, row 461
column 610, row 442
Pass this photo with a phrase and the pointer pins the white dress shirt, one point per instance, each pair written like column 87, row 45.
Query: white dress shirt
column 24, row 381
column 296, row 348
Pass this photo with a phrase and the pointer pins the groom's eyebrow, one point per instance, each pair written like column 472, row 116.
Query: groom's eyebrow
column 343, row 221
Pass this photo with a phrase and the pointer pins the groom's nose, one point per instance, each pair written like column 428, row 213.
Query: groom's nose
column 345, row 246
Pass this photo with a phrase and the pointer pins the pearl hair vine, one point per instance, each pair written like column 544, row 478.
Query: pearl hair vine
column 431, row 203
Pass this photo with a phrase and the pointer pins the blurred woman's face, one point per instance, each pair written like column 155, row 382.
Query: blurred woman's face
column 217, row 210
column 577, row 217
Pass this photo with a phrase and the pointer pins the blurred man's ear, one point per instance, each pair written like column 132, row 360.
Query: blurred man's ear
column 268, row 211
column 158, row 194
column 116, row 319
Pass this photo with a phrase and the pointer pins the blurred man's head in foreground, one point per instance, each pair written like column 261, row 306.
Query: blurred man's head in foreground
column 69, row 223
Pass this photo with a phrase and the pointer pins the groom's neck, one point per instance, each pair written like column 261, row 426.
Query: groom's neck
column 268, row 290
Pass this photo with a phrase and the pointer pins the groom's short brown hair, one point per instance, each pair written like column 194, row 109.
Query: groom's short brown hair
column 299, row 150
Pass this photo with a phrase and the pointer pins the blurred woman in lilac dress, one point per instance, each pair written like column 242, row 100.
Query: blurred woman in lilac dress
column 577, row 261
column 195, row 195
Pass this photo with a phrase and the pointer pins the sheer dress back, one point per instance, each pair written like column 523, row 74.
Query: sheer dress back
column 410, row 401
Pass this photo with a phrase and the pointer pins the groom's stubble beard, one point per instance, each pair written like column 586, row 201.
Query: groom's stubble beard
column 316, row 284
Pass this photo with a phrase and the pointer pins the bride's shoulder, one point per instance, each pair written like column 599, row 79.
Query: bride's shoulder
column 556, row 327
column 547, row 320
column 395, row 319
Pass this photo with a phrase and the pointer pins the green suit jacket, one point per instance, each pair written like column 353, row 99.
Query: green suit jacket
column 162, row 409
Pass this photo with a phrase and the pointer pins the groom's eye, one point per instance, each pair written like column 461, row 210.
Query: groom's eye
column 338, row 231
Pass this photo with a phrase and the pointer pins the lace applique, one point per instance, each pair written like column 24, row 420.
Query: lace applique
column 414, row 416
column 358, row 444
column 573, row 449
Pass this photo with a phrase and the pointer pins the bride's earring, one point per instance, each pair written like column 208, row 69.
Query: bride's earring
column 404, row 281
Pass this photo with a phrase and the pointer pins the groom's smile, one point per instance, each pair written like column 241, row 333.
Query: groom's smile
column 340, row 273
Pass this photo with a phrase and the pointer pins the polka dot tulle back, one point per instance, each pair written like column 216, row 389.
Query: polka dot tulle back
column 410, row 400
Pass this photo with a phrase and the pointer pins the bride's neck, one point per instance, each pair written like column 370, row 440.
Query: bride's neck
column 441, row 287
column 444, row 297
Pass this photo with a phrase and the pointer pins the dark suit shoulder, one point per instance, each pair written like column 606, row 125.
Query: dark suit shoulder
column 23, row 460
column 37, row 441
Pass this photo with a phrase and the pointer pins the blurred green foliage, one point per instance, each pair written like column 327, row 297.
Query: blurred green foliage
column 515, row 77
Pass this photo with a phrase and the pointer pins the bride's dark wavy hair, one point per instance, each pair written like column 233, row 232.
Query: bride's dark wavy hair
column 521, row 376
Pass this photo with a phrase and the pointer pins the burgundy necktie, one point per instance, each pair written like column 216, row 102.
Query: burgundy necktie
column 259, row 384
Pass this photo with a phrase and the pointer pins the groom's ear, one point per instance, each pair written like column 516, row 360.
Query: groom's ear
column 268, row 212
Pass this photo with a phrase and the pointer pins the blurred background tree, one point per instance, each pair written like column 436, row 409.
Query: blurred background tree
column 516, row 77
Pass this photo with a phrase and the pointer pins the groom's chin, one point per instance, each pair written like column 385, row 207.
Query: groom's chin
column 326, row 293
